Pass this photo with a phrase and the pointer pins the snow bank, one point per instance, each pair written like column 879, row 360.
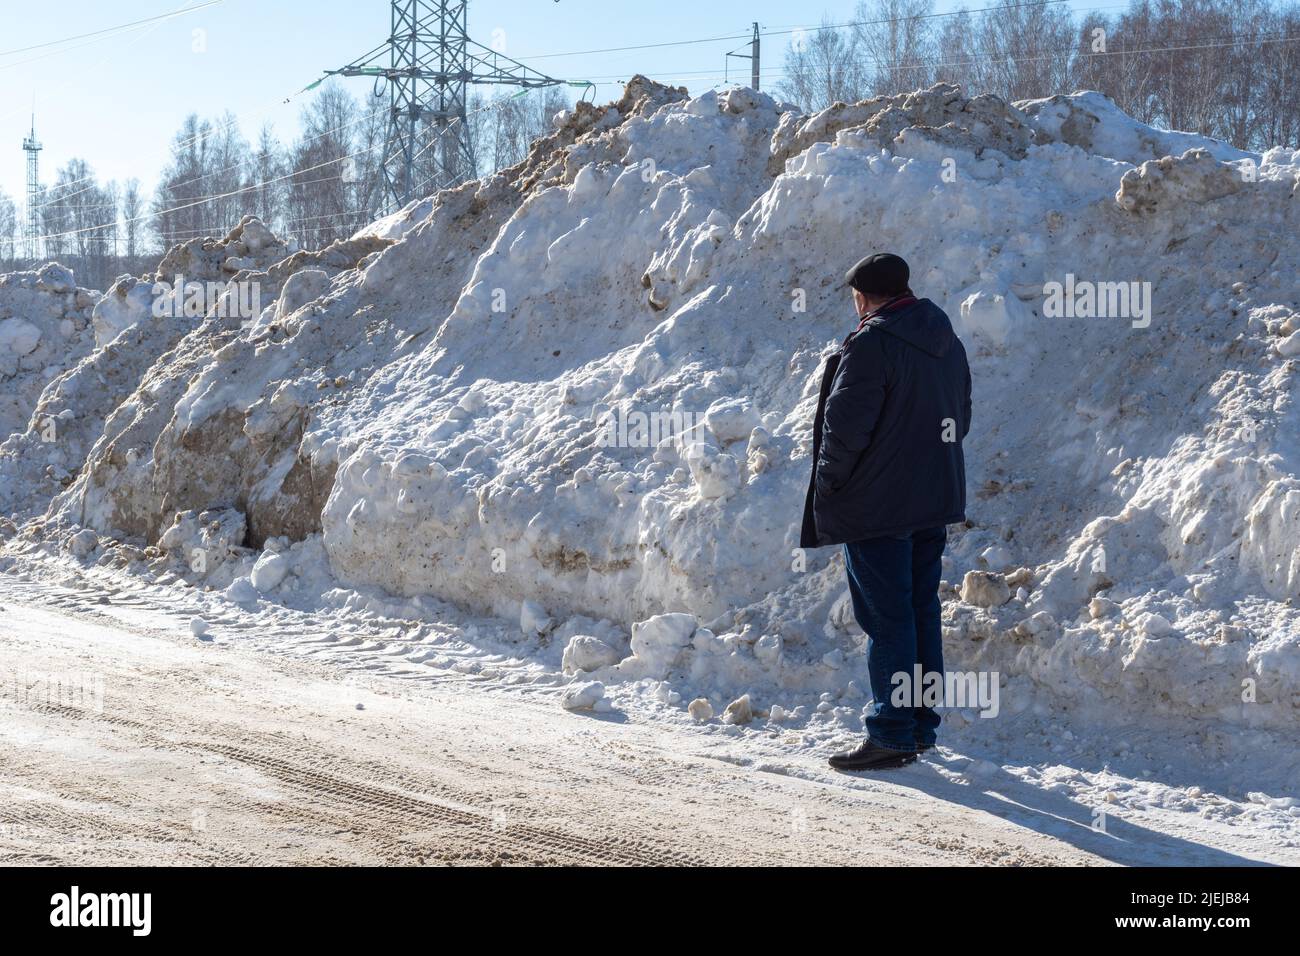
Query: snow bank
column 582, row 391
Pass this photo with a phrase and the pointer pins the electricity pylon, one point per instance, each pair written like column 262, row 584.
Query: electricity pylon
column 431, row 62
column 32, row 227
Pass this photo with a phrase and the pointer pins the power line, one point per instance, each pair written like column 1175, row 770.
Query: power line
column 120, row 27
column 1282, row 38
column 788, row 32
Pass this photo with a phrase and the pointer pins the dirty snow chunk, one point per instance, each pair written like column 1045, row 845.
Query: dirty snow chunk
column 257, row 235
column 1194, row 177
column 994, row 314
column 996, row 557
column 1037, row 625
column 657, row 642
column 1289, row 347
column 1276, row 803
column 985, row 589
column 731, row 419
column 767, row 649
column 126, row 302
column 665, row 694
column 533, row 619
column 242, row 591
column 716, row 475
column 83, row 542
column 1155, row 625
column 1100, row 607
column 269, row 571
column 299, row 289
column 700, row 710
column 739, row 711
column 18, row 336
column 586, row 653
column 55, row 278
column 582, row 696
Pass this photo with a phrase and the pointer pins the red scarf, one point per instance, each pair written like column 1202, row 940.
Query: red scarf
column 897, row 302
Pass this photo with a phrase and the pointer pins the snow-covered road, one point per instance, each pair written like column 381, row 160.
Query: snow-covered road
column 126, row 740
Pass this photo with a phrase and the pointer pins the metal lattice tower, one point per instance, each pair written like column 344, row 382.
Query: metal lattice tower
column 32, row 226
column 432, row 62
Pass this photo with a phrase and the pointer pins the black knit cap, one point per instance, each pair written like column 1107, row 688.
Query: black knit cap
column 881, row 274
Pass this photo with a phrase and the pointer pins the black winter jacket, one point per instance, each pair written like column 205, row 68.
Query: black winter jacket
column 895, row 405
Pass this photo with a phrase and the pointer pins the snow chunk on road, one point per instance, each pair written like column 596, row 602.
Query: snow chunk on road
column 657, row 643
column 269, row 571
column 700, row 710
column 83, row 542
column 739, row 711
column 587, row 653
column 584, row 696
column 533, row 619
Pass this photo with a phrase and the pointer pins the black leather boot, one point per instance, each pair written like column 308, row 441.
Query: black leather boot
column 870, row 756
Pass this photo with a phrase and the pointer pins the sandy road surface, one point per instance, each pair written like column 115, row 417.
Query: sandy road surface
column 122, row 744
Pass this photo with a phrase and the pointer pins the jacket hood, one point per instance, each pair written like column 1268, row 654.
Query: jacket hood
column 922, row 324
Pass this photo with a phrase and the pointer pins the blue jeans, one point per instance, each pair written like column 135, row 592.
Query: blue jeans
column 894, row 583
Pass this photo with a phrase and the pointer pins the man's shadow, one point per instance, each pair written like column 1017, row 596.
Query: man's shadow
column 1113, row 838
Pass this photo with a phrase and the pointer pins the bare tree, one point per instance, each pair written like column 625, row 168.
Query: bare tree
column 896, row 41
column 515, row 121
column 1115, row 57
column 1192, row 74
column 226, row 162
column 323, row 175
column 132, row 205
column 177, row 202
column 1025, row 49
column 369, row 145
column 956, row 51
column 1279, row 61
column 264, row 189
column 1238, row 119
column 8, row 232
column 823, row 68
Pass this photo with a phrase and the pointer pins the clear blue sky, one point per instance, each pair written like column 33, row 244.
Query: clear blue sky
column 117, row 100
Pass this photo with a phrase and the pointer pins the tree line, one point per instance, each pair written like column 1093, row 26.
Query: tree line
column 322, row 186
column 1224, row 68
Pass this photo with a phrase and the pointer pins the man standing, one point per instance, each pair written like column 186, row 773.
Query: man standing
column 888, row 477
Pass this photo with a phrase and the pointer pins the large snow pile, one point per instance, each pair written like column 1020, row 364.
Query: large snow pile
column 579, row 394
